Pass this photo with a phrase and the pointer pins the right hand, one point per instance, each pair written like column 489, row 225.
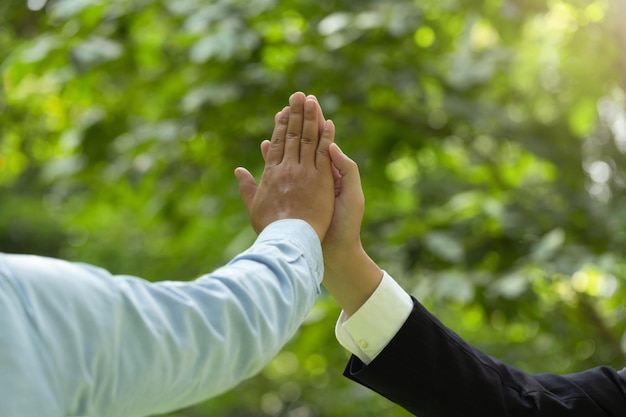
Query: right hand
column 297, row 182
column 350, row 275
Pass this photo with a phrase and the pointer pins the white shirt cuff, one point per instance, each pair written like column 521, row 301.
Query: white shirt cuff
column 371, row 327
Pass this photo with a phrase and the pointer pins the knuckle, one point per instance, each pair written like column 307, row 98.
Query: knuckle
column 275, row 146
column 283, row 119
column 323, row 152
column 310, row 114
column 293, row 135
column 279, row 134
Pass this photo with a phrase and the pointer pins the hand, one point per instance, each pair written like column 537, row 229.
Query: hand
column 350, row 275
column 297, row 181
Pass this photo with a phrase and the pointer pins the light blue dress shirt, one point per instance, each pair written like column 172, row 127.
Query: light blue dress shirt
column 78, row 341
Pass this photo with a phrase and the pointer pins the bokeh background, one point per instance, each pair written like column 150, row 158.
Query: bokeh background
column 491, row 138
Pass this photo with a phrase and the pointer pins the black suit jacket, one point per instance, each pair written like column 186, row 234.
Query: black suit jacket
column 432, row 372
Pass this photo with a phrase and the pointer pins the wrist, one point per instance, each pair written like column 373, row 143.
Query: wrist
column 351, row 277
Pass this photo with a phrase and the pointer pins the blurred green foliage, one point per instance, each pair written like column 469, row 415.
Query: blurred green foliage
column 491, row 137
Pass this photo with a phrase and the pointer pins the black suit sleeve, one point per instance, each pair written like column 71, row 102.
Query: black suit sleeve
column 432, row 372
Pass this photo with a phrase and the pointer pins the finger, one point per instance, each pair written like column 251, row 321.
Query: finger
column 265, row 147
column 336, row 179
column 294, row 128
column 310, row 137
column 247, row 186
column 320, row 114
column 276, row 150
column 322, row 157
column 348, row 171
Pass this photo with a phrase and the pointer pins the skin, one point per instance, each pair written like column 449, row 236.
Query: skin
column 350, row 275
column 297, row 182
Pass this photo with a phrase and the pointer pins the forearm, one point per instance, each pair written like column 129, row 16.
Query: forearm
column 430, row 370
column 111, row 346
column 226, row 326
column 366, row 332
column 351, row 278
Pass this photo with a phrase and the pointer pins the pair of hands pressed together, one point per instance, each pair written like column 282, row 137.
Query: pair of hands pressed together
column 308, row 177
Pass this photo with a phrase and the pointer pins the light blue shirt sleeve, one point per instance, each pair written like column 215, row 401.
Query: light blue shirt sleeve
column 78, row 341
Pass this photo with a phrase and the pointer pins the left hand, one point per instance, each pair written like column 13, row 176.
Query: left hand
column 350, row 275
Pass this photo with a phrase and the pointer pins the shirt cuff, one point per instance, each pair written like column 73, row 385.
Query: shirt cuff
column 371, row 327
column 301, row 234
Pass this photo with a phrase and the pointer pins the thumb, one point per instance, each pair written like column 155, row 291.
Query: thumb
column 247, row 186
column 347, row 168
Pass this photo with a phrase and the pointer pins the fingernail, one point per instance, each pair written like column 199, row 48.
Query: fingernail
column 294, row 95
column 328, row 124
